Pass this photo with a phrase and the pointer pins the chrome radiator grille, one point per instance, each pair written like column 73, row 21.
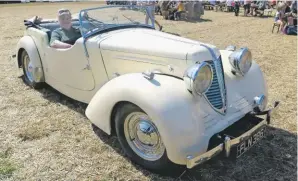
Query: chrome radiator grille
column 216, row 95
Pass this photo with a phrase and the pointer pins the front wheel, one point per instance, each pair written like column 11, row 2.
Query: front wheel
column 141, row 140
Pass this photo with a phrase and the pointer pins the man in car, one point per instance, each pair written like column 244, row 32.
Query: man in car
column 66, row 35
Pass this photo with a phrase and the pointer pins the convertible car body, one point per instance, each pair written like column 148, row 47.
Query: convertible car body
column 170, row 100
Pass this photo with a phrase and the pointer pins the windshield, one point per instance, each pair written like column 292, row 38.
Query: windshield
column 110, row 17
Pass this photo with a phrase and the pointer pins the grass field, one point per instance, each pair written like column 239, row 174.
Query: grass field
column 45, row 136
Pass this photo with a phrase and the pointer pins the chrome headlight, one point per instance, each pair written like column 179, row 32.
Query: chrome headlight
column 241, row 60
column 198, row 78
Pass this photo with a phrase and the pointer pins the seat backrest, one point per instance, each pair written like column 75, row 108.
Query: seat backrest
column 50, row 27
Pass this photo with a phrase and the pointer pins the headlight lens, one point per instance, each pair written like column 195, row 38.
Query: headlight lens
column 198, row 78
column 241, row 60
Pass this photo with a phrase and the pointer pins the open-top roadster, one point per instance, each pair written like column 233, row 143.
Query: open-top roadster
column 170, row 100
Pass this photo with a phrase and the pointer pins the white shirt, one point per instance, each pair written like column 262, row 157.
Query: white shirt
column 229, row 2
column 246, row 2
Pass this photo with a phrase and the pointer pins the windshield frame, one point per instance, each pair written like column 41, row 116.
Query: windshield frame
column 86, row 36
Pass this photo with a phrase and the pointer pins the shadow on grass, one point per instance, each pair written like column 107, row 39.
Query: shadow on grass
column 194, row 20
column 262, row 17
column 258, row 16
column 55, row 96
column 273, row 158
column 241, row 14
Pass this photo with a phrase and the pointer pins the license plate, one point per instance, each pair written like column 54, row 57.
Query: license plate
column 252, row 140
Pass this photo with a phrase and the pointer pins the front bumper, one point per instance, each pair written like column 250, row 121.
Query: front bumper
column 229, row 143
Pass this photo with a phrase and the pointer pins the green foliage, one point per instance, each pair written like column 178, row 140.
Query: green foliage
column 6, row 166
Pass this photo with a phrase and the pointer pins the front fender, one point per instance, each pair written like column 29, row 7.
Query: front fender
column 166, row 100
column 252, row 84
column 28, row 44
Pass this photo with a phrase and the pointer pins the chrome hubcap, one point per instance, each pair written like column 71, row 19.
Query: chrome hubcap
column 143, row 137
column 28, row 68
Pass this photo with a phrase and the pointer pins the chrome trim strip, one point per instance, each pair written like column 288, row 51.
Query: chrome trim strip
column 237, row 140
column 137, row 59
column 193, row 161
column 221, row 82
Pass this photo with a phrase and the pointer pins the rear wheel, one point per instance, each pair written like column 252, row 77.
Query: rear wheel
column 28, row 71
column 140, row 139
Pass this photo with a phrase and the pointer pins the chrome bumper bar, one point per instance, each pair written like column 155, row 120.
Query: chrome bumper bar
column 228, row 142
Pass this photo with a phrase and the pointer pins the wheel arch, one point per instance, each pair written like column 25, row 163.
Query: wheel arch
column 19, row 54
column 172, row 113
column 115, row 108
column 27, row 44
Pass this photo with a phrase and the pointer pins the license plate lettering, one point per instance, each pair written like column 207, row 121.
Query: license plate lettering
column 240, row 150
column 248, row 143
column 255, row 138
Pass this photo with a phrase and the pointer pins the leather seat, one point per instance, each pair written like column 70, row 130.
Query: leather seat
column 50, row 27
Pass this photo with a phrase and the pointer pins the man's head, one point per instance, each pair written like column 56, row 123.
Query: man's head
column 64, row 18
column 289, row 3
column 281, row 6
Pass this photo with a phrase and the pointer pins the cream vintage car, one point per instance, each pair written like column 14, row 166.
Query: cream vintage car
column 170, row 100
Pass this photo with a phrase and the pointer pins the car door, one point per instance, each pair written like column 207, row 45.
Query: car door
column 70, row 66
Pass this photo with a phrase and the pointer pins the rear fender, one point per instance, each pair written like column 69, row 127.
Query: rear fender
column 28, row 44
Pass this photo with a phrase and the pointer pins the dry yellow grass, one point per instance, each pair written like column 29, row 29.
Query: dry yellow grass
column 49, row 138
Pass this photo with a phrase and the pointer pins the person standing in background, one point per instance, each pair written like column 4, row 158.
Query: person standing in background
column 179, row 10
column 237, row 7
column 246, row 7
column 229, row 5
column 150, row 9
